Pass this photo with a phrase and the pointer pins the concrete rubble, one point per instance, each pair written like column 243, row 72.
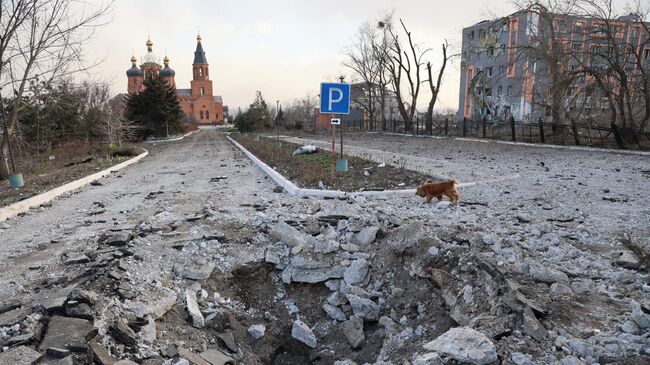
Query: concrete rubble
column 226, row 271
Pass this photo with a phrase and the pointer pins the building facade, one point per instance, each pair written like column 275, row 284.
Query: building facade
column 503, row 76
column 199, row 101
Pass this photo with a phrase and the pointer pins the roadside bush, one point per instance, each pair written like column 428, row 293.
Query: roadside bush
column 123, row 150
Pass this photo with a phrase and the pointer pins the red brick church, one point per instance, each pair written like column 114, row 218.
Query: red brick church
column 198, row 101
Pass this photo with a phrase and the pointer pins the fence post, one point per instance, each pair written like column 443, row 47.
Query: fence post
column 617, row 136
column 464, row 127
column 484, row 131
column 576, row 137
column 541, row 131
column 446, row 127
column 513, row 129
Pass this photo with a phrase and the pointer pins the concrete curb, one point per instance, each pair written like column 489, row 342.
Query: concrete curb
column 293, row 190
column 525, row 144
column 173, row 139
column 23, row 206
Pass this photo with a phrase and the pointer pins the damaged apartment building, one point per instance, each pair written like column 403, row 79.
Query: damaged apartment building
column 500, row 77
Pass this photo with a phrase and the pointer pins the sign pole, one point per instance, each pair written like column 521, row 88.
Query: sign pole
column 341, row 137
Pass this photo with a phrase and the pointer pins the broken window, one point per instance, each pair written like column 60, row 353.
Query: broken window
column 488, row 91
column 489, row 71
column 646, row 54
column 481, row 33
column 470, row 35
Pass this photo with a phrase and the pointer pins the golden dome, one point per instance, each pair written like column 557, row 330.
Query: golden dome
column 166, row 60
column 133, row 60
column 198, row 38
column 149, row 43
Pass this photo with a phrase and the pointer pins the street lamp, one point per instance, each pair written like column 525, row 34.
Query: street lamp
column 277, row 121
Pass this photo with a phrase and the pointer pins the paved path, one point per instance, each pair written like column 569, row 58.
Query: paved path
column 31, row 246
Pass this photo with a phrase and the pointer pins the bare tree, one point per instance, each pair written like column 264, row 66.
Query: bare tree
column 404, row 64
column 46, row 42
column 616, row 60
column 363, row 60
column 435, row 88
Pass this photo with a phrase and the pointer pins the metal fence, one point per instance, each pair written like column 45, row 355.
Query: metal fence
column 589, row 135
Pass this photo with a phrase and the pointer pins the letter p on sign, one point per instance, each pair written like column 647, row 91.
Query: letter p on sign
column 334, row 98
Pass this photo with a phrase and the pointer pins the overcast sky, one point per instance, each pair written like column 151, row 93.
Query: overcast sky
column 284, row 48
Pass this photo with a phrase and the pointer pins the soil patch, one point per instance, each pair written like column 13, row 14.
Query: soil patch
column 45, row 171
column 317, row 170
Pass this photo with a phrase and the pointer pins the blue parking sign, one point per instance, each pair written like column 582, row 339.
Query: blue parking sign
column 334, row 98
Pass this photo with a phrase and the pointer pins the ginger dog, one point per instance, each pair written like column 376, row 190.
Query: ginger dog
column 438, row 190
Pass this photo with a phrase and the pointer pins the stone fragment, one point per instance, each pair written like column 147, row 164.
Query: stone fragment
column 192, row 357
column 287, row 234
column 125, row 362
column 228, row 340
column 193, row 309
column 215, row 357
column 362, row 307
column 464, row 344
column 18, row 340
column 84, row 296
column 531, row 326
column 631, row 327
column 545, row 274
column 121, row 331
column 199, row 272
column 14, row 316
column 62, row 331
column 334, row 312
column 336, row 299
column 560, row 291
column 628, row 260
column 21, row 355
column 57, row 353
column 366, row 236
column 326, row 247
column 524, row 218
column 76, row 258
column 353, row 331
column 116, row 239
column 521, row 359
column 571, row 360
column 257, row 331
column 301, row 332
column 430, row 358
column 100, row 355
column 81, row 310
column 313, row 275
column 406, row 236
column 356, row 272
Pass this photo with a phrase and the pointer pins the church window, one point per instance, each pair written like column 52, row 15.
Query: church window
column 202, row 91
column 201, row 114
column 207, row 114
column 200, row 71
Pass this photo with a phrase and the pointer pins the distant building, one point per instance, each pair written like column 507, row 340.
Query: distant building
column 198, row 102
column 499, row 80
